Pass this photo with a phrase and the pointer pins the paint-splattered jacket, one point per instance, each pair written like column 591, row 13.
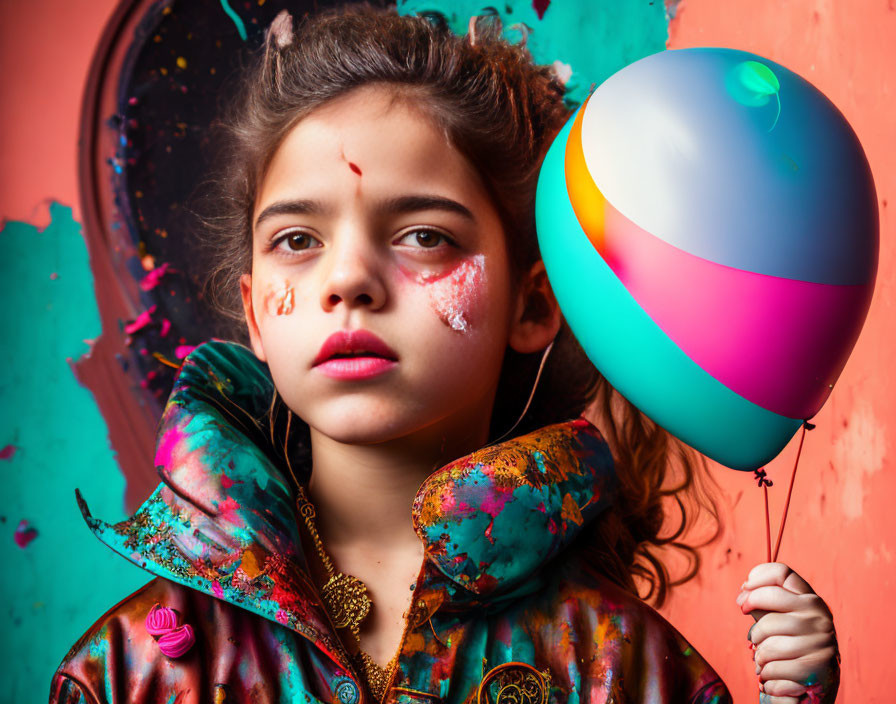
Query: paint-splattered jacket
column 505, row 608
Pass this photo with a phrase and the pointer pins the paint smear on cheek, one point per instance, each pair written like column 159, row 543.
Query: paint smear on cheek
column 455, row 296
column 280, row 301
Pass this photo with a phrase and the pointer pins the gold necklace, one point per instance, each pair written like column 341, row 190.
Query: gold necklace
column 346, row 599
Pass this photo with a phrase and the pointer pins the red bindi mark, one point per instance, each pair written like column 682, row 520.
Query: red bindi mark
column 352, row 165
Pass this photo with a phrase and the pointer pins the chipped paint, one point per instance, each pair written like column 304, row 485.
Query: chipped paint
column 60, row 441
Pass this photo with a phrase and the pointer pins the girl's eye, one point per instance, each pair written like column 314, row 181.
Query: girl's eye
column 426, row 239
column 295, row 242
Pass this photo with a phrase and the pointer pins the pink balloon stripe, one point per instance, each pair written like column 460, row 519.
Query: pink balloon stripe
column 777, row 342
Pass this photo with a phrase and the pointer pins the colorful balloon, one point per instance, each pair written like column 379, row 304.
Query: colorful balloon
column 709, row 225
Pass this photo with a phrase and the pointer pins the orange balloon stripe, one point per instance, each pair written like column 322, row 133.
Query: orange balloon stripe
column 587, row 201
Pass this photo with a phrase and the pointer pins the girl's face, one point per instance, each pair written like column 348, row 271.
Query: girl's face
column 368, row 219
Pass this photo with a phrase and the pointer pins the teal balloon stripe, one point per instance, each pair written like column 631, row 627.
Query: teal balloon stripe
column 633, row 352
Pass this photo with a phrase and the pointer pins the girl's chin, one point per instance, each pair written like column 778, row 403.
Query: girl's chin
column 374, row 423
column 362, row 426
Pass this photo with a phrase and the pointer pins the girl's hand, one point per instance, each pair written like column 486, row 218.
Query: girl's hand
column 793, row 640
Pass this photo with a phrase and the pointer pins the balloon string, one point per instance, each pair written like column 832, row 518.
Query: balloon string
column 806, row 426
column 765, row 483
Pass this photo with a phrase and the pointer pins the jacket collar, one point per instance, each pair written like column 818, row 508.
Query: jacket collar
column 223, row 520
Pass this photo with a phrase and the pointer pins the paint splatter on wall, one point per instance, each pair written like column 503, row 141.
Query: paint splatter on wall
column 624, row 31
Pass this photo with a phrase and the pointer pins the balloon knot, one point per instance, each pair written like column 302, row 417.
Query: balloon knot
column 761, row 477
column 807, row 425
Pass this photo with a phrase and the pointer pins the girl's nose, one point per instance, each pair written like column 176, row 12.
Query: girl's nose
column 354, row 278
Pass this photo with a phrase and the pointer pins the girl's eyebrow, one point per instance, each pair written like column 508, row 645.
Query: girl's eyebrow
column 413, row 203
column 291, row 207
column 399, row 204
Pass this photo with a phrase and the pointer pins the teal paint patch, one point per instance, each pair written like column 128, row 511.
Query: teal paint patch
column 62, row 581
column 593, row 39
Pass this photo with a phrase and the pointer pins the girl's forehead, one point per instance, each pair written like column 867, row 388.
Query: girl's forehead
column 368, row 143
column 368, row 122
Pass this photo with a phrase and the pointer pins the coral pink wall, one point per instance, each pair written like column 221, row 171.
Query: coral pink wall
column 841, row 525
column 841, row 528
column 45, row 51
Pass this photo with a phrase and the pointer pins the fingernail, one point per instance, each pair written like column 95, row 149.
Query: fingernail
column 741, row 598
column 757, row 668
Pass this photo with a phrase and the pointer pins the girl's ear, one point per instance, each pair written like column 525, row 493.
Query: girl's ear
column 254, row 334
column 538, row 317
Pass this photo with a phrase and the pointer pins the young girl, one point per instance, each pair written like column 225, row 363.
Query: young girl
column 369, row 506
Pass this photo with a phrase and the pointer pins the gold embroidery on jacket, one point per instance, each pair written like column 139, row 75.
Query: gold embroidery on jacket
column 516, row 683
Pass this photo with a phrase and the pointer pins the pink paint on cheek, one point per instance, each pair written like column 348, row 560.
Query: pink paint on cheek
column 455, row 295
column 281, row 301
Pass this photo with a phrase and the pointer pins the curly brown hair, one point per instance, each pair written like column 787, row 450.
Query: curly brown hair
column 501, row 111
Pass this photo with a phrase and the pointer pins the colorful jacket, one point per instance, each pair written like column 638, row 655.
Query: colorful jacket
column 505, row 608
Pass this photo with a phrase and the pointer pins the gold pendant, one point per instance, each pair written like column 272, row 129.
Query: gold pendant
column 347, row 601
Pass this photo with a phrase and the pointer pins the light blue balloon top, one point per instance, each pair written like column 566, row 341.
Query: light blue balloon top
column 734, row 158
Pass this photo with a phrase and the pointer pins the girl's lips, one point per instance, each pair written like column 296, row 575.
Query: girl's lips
column 353, row 342
column 355, row 367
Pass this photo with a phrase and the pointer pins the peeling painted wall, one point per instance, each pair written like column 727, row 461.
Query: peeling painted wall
column 840, row 531
column 57, row 577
